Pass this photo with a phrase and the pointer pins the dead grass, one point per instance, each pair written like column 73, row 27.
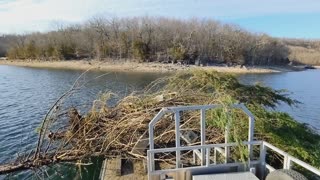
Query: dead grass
column 305, row 55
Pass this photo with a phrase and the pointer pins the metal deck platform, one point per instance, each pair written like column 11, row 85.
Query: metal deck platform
column 228, row 176
column 209, row 167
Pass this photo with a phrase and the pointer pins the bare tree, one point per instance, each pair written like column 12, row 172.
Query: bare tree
column 152, row 39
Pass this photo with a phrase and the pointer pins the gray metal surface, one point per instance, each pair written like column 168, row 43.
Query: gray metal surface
column 202, row 108
column 228, row 176
column 204, row 154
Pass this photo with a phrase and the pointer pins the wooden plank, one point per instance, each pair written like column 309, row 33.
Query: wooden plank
column 181, row 175
column 155, row 177
column 141, row 145
column 139, row 167
column 130, row 169
column 111, row 168
column 103, row 169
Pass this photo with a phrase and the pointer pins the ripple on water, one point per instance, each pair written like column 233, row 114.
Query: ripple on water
column 12, row 124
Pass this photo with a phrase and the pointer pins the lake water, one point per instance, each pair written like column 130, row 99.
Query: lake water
column 303, row 86
column 27, row 93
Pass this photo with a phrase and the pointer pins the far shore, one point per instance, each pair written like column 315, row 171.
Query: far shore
column 142, row 67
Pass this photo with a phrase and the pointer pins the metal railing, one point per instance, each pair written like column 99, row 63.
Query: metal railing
column 202, row 108
column 288, row 160
column 264, row 146
column 206, row 148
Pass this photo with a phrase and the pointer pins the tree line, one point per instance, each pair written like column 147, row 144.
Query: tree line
column 304, row 51
column 149, row 39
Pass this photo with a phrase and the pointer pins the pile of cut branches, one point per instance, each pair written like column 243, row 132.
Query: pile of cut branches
column 108, row 131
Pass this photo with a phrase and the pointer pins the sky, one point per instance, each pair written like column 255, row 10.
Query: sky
column 279, row 18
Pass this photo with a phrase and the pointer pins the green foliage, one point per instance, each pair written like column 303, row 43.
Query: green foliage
column 213, row 82
column 283, row 131
column 275, row 127
column 140, row 50
column 53, row 53
column 12, row 53
column 124, row 44
column 178, row 52
column 31, row 51
column 67, row 51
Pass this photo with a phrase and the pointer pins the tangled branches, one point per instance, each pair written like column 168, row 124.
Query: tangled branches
column 108, row 131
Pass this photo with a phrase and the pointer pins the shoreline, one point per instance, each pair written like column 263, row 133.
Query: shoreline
column 141, row 67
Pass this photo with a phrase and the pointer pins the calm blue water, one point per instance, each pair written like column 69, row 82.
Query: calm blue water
column 303, row 86
column 27, row 93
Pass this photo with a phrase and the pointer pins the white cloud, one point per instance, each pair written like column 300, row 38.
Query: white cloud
column 33, row 15
column 30, row 15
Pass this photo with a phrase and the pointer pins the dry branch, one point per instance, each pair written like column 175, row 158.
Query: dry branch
column 114, row 131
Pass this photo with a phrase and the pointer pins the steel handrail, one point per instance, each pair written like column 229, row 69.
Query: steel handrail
column 205, row 148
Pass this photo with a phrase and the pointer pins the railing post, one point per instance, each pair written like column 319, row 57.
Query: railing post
column 194, row 157
column 215, row 156
column 286, row 162
column 177, row 126
column 250, row 137
column 251, row 129
column 149, row 164
column 207, row 157
column 226, row 140
column 151, row 147
column 263, row 152
column 203, row 133
column 289, row 163
column 151, row 140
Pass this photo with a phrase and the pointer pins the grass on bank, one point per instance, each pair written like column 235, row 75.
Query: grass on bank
column 275, row 127
column 305, row 55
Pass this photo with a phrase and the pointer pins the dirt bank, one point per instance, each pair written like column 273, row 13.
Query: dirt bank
column 138, row 67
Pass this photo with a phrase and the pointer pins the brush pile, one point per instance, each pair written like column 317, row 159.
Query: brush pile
column 108, row 131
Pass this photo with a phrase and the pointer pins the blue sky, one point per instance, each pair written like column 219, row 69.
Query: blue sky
column 280, row 18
